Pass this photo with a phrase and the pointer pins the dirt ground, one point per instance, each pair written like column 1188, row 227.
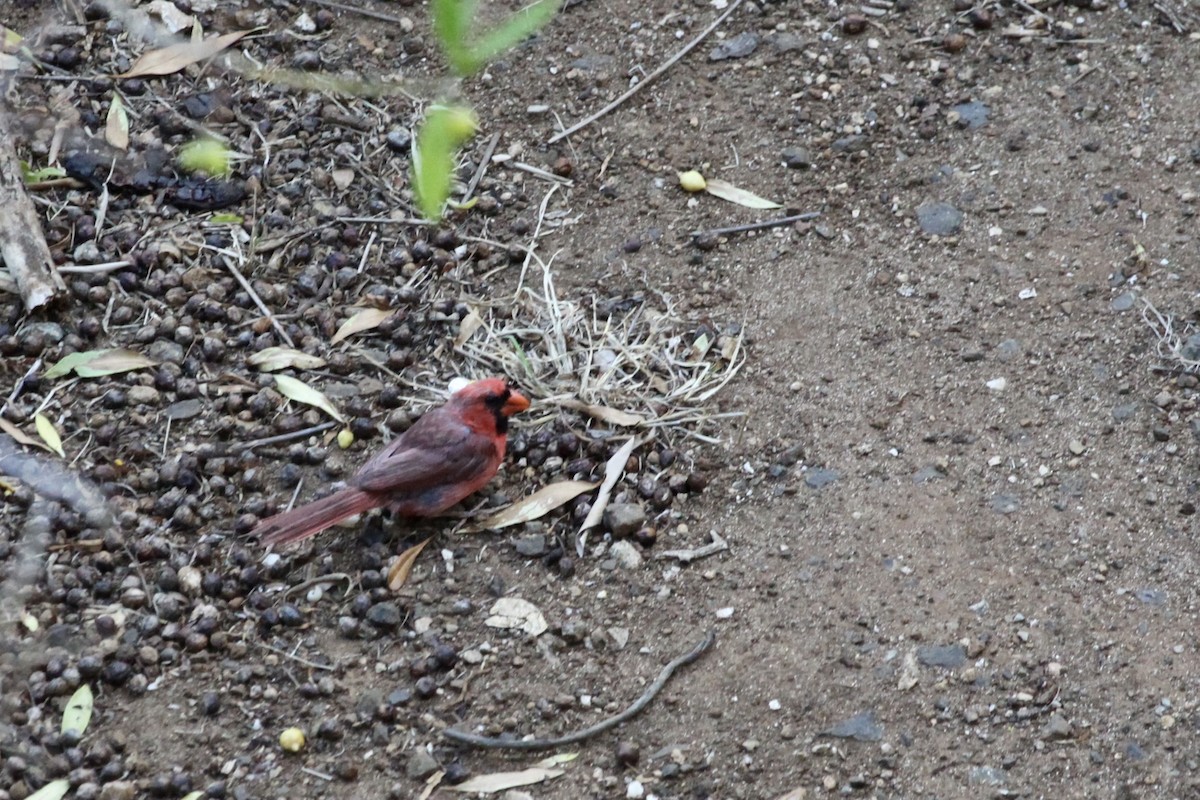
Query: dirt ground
column 958, row 504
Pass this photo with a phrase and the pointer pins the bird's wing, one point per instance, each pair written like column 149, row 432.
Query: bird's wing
column 437, row 453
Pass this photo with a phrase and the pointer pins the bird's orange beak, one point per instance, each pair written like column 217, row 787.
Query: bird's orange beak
column 515, row 404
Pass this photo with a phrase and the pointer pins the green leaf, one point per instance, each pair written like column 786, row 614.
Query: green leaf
column 49, row 433
column 452, row 22
column 518, row 27
column 445, row 128
column 78, row 712
column 97, row 363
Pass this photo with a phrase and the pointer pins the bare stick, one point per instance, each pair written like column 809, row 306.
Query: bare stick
column 758, row 226
column 237, row 273
column 299, row 659
column 22, row 244
column 283, row 437
column 356, row 10
column 483, row 165
column 600, row 727
column 670, row 62
column 717, row 545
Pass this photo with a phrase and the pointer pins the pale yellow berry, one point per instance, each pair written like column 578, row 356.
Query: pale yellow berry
column 345, row 438
column 692, row 181
column 292, row 740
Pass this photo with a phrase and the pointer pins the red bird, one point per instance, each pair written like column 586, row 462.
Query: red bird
column 446, row 455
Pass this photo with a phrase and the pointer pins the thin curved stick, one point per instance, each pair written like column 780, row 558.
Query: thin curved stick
column 637, row 87
column 600, row 727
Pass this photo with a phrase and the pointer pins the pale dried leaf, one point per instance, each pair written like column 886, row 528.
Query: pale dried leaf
column 49, row 433
column 536, row 505
column 612, row 416
column 364, row 320
column 301, row 392
column 116, row 124
column 794, row 794
column 401, row 568
column 171, row 59
column 20, row 436
column 30, row 622
column 727, row 191
column 431, row 783
column 513, row 612
column 270, row 359
column 613, row 471
column 97, row 363
column 700, row 347
column 466, row 329
column 501, row 781
column 78, row 712
column 556, row 759
column 342, row 178
column 173, row 19
column 54, row 790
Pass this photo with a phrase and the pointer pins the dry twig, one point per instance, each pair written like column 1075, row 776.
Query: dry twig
column 22, row 244
column 600, row 727
column 666, row 65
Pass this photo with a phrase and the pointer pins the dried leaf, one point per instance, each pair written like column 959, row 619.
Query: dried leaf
column 613, row 471
column 270, row 359
column 301, row 392
column 20, row 436
column 401, row 569
column 342, row 178
column 727, row 191
column 536, row 505
column 173, row 58
column 116, row 124
column 612, row 416
column 700, row 347
column 54, row 790
column 49, row 434
column 364, row 320
column 97, row 363
column 193, row 796
column 30, row 622
column 556, row 759
column 513, row 612
column 466, row 329
column 500, row 781
column 173, row 19
column 78, row 712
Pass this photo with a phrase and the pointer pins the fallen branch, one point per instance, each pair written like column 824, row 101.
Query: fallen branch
column 758, row 226
column 600, row 727
column 642, row 84
column 22, row 244
column 687, row 556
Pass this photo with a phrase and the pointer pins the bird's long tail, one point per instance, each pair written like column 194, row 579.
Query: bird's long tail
column 308, row 520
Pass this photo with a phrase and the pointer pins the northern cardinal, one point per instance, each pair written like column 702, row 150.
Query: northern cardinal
column 446, row 455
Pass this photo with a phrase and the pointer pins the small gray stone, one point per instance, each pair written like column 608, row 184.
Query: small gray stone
column 849, row 144
column 624, row 519
column 1005, row 503
column 785, row 41
column 986, row 776
column 819, row 477
column 165, row 351
column 1057, row 728
column 52, row 332
column 1151, row 597
column 1125, row 411
column 626, row 554
column 1008, row 350
column 972, row 115
column 739, row 46
column 950, row 656
column 861, row 727
column 421, row 765
column 927, row 473
column 143, row 395
column 1125, row 301
column 384, row 615
column 531, row 546
column 184, row 409
column 797, row 157
column 939, row 219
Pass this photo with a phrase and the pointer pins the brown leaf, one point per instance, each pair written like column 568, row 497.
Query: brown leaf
column 500, row 781
column 171, row 59
column 20, row 436
column 116, row 124
column 612, row 416
column 401, row 569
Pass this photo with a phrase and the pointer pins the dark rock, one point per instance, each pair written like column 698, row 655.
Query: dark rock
column 738, row 46
column 939, row 219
